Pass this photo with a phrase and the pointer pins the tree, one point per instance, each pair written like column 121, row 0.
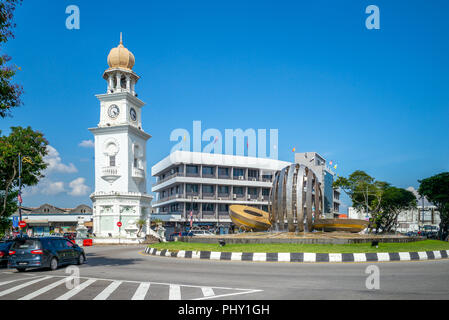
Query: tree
column 394, row 201
column 365, row 192
column 32, row 146
column 9, row 92
column 436, row 190
column 140, row 224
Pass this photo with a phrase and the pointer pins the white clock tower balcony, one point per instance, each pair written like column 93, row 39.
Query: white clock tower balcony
column 110, row 174
column 138, row 174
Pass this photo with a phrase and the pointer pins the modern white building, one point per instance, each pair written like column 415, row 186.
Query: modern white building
column 207, row 184
column 120, row 152
column 425, row 214
column 331, row 195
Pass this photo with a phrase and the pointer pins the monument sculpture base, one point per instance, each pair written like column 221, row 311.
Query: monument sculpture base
column 301, row 238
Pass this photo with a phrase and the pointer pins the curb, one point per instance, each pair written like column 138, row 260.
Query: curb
column 301, row 257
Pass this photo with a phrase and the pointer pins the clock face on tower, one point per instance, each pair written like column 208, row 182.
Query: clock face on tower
column 113, row 111
column 133, row 114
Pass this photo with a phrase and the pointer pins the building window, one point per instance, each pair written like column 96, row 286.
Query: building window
column 208, row 171
column 191, row 206
column 238, row 190
column 191, row 188
column 223, row 172
column 267, row 177
column 208, row 207
column 239, row 173
column 253, row 173
column 112, row 161
column 223, row 190
column 252, row 191
column 208, row 189
column 223, row 207
column 192, row 169
column 265, row 208
column 265, row 192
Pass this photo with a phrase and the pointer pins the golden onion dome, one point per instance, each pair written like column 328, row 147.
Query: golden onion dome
column 121, row 57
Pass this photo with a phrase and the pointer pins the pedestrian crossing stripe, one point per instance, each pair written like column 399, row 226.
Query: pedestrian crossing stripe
column 142, row 291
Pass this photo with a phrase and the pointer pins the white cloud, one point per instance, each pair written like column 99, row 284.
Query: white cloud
column 87, row 144
column 46, row 187
column 55, row 163
column 78, row 187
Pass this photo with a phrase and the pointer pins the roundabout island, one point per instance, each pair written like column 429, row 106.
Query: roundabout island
column 295, row 230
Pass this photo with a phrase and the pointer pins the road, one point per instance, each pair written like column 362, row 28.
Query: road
column 124, row 273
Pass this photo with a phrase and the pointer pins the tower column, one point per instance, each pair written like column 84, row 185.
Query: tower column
column 119, row 81
column 110, row 82
column 128, row 83
column 133, row 91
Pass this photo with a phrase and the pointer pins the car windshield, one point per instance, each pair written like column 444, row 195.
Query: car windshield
column 26, row 244
column 4, row 246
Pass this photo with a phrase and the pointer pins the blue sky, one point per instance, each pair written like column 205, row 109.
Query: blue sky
column 375, row 100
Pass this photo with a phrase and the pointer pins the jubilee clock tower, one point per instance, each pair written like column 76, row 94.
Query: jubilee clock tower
column 120, row 153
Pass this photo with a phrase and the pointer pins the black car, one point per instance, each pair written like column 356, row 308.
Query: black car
column 48, row 252
column 4, row 253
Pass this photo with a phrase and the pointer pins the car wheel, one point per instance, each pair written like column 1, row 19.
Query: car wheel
column 81, row 259
column 53, row 264
column 21, row 269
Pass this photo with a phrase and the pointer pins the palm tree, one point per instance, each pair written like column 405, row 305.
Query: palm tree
column 140, row 224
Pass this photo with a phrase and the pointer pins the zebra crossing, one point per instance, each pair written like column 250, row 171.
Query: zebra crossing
column 63, row 288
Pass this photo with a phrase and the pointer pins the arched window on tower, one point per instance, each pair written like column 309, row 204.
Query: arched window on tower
column 136, row 156
column 123, row 82
column 112, row 161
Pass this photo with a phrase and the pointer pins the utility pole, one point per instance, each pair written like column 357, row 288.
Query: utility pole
column 367, row 207
column 422, row 199
column 19, row 198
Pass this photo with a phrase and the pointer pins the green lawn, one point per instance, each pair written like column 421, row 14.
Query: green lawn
column 426, row 245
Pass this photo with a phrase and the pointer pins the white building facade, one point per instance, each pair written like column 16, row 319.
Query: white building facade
column 331, row 195
column 208, row 184
column 412, row 220
column 120, row 153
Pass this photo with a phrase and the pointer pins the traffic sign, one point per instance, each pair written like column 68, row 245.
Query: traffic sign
column 22, row 224
column 119, row 224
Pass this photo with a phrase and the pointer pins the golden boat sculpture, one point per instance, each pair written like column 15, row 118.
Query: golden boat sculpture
column 345, row 225
column 249, row 218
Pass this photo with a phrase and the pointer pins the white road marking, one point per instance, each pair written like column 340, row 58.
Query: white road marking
column 175, row 292
column 229, row 294
column 104, row 295
column 77, row 290
column 11, row 281
column 24, row 285
column 207, row 292
column 43, row 290
column 141, row 291
column 140, row 294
